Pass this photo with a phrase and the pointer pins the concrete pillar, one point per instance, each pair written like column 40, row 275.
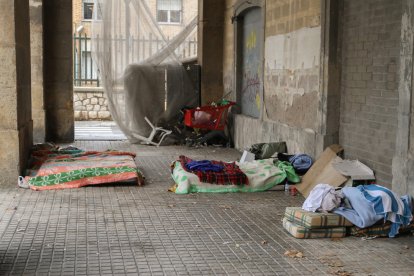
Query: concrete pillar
column 403, row 161
column 15, row 104
column 36, row 44
column 210, row 48
column 58, row 74
column 329, row 100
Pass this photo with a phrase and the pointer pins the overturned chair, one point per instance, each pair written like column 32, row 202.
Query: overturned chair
column 155, row 130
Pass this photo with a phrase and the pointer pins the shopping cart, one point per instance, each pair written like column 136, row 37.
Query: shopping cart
column 208, row 117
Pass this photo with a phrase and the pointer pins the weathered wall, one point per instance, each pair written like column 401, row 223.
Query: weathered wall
column 36, row 43
column 228, row 50
column 58, row 61
column 369, row 100
column 403, row 161
column 292, row 62
column 15, row 105
column 90, row 104
column 292, row 80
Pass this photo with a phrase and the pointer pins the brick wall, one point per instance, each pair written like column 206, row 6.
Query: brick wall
column 369, row 96
column 290, row 15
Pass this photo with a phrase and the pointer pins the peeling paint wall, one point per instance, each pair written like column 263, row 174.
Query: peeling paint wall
column 292, row 62
column 291, row 76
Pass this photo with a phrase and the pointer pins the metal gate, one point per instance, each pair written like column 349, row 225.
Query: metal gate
column 252, row 64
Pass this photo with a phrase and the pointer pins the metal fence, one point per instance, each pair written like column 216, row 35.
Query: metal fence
column 86, row 73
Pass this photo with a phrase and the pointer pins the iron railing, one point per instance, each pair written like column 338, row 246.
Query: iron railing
column 85, row 70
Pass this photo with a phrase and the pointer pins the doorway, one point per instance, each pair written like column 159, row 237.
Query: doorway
column 249, row 60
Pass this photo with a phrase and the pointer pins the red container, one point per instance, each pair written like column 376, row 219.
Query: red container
column 293, row 191
column 207, row 117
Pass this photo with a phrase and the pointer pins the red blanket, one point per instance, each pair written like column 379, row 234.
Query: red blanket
column 231, row 174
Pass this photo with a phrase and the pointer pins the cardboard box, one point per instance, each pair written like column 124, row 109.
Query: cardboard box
column 322, row 171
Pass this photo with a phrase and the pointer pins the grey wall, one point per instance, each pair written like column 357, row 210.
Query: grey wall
column 369, row 92
column 301, row 77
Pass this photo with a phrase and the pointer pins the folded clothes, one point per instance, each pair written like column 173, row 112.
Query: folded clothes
column 204, row 166
column 301, row 162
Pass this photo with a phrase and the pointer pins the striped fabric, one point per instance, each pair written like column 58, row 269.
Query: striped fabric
column 378, row 230
column 301, row 232
column 314, row 220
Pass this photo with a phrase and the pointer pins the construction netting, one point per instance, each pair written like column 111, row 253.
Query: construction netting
column 139, row 47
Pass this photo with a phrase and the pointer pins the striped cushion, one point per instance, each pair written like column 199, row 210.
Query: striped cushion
column 378, row 230
column 315, row 220
column 301, row 232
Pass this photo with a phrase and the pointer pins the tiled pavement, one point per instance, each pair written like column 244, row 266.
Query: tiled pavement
column 118, row 230
column 98, row 131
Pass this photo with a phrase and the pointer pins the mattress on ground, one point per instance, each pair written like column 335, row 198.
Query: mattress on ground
column 301, row 232
column 381, row 230
column 308, row 219
column 262, row 175
column 61, row 170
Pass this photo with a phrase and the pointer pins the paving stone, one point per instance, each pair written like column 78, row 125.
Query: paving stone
column 125, row 229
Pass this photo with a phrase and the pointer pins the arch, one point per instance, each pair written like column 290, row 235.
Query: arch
column 249, row 88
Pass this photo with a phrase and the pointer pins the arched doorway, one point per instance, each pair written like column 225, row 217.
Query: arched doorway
column 249, row 34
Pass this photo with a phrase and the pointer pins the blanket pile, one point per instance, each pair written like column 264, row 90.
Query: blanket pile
column 261, row 175
column 230, row 173
column 54, row 168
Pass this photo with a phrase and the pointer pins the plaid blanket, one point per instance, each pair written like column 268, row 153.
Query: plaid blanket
column 301, row 232
column 315, row 220
column 381, row 230
column 231, row 174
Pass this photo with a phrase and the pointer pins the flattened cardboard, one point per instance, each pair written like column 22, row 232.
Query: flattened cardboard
column 354, row 169
column 323, row 172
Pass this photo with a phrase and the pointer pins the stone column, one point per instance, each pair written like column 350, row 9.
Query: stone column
column 330, row 91
column 15, row 104
column 58, row 73
column 403, row 161
column 36, row 43
column 210, row 48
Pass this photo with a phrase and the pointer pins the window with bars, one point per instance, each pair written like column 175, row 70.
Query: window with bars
column 169, row 11
column 89, row 11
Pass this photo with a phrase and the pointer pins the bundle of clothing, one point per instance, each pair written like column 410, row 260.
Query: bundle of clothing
column 300, row 162
column 216, row 176
column 372, row 209
column 215, row 172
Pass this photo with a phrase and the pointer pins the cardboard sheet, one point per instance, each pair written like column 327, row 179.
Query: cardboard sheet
column 322, row 171
column 354, row 169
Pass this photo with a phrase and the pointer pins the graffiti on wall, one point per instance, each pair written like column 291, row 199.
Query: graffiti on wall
column 252, row 81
